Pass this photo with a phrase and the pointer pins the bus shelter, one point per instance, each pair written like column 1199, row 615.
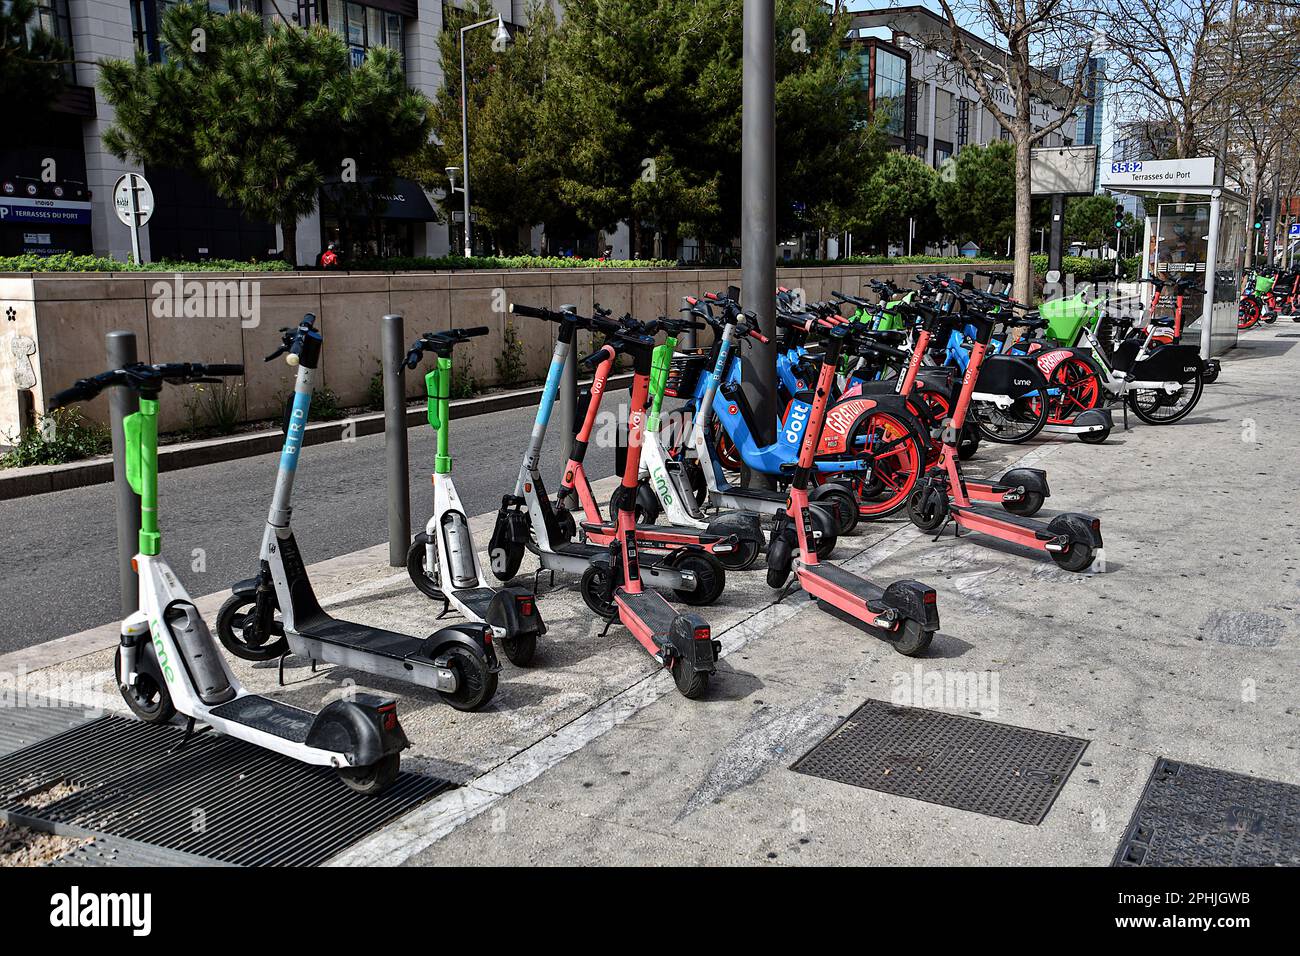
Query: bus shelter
column 1194, row 226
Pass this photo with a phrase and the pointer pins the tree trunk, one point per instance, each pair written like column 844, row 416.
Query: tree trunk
column 289, row 227
column 1024, row 221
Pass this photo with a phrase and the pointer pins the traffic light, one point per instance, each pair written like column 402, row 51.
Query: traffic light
column 1259, row 219
column 1119, row 216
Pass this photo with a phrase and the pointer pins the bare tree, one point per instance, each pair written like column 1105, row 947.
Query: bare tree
column 1034, row 32
column 1170, row 61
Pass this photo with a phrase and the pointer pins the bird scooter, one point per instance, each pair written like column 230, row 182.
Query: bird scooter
column 734, row 540
column 167, row 661
column 1072, row 539
column 459, row 661
column 905, row 613
column 529, row 521
column 442, row 560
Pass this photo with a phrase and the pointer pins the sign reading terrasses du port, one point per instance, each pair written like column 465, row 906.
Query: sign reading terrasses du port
column 1159, row 173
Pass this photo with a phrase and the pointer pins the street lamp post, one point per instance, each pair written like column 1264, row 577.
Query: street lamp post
column 502, row 36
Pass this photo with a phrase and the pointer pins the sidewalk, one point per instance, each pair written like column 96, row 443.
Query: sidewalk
column 1185, row 648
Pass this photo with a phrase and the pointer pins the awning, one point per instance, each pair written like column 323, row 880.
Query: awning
column 398, row 199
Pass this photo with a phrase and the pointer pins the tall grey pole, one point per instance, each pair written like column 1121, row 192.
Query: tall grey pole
column 1274, row 208
column 758, row 211
column 568, row 405
column 464, row 140
column 1056, row 248
column 395, row 450
column 122, row 402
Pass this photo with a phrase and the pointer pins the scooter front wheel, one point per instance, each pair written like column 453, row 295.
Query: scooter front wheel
column 710, row 578
column 927, row 509
column 419, row 571
column 148, row 699
column 824, row 524
column 237, row 629
column 594, row 586
column 475, row 684
column 373, row 779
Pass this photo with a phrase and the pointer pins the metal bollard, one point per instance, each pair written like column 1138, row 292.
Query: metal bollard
column 120, row 348
column 395, row 448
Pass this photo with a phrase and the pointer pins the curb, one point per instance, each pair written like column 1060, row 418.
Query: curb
column 43, row 479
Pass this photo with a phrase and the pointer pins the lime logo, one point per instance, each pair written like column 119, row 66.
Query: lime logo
column 661, row 485
column 161, row 652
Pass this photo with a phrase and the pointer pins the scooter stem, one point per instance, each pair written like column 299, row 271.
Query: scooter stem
column 437, row 384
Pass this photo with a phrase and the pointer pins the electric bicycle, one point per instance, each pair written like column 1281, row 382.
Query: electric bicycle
column 277, row 611
column 442, row 560
column 167, row 662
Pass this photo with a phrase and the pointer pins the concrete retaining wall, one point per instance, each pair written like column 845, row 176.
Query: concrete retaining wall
column 56, row 323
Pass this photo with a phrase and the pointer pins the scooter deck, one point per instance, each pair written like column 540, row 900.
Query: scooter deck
column 653, row 611
column 650, row 536
column 829, row 580
column 1025, row 522
column 360, row 637
column 756, row 494
column 475, row 600
column 269, row 716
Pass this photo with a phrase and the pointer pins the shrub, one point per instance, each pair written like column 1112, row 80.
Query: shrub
column 213, row 408
column 511, row 366
column 427, row 263
column 70, row 262
column 59, row 437
column 375, row 388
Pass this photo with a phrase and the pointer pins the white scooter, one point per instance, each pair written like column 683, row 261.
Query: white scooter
column 167, row 660
column 442, row 561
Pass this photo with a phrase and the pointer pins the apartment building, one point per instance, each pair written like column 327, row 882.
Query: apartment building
column 72, row 210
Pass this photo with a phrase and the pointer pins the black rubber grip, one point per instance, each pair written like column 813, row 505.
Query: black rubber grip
column 531, row 311
column 472, row 333
column 228, row 368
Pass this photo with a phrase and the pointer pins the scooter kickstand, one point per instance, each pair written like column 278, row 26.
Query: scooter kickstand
column 608, row 625
column 790, row 587
column 446, row 609
column 189, row 735
column 279, row 669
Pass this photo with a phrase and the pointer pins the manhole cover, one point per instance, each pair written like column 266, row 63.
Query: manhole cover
column 1198, row 816
column 216, row 797
column 956, row 761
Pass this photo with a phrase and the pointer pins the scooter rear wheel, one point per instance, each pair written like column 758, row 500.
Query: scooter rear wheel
column 475, row 684
column 148, row 700
column 742, row 558
column 1028, row 504
column 691, row 683
column 1077, row 558
column 911, row 639
column 373, row 779
column 237, row 631
column 520, row 649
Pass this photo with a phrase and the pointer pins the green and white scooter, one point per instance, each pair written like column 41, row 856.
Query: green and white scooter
column 167, row 660
column 442, row 561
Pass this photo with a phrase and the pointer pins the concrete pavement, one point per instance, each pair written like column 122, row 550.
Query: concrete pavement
column 1186, row 647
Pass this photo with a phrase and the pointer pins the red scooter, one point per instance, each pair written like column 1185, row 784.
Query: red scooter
column 1072, row 539
column 905, row 613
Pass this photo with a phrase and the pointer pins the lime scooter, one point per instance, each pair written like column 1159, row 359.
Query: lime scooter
column 459, row 661
column 442, row 561
column 167, row 660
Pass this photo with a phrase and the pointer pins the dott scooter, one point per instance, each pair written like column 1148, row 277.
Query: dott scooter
column 459, row 661
column 529, row 521
column 442, row 560
column 906, row 613
column 167, row 660
column 734, row 539
column 1072, row 539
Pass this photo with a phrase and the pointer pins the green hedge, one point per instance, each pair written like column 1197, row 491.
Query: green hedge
column 1091, row 270
column 429, row 263
column 68, row 262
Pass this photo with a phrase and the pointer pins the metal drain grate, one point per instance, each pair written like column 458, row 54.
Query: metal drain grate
column 955, row 761
column 216, row 797
column 1198, row 816
column 22, row 726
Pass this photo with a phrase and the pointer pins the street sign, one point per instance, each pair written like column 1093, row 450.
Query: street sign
column 133, row 199
column 1294, row 231
column 1159, row 173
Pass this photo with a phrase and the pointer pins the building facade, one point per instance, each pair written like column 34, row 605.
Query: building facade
column 56, row 182
column 934, row 109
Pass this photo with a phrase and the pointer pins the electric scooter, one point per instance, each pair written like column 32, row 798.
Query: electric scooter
column 905, row 613
column 1072, row 539
column 529, row 521
column 167, row 661
column 666, row 484
column 459, row 661
column 443, row 561
column 735, row 539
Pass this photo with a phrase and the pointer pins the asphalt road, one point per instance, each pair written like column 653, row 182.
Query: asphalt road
column 59, row 573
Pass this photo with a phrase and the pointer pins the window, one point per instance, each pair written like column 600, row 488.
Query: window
column 52, row 17
column 364, row 27
column 147, row 17
column 891, row 89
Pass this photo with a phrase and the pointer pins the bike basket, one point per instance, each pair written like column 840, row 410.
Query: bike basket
column 1065, row 318
column 684, row 373
column 1264, row 284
